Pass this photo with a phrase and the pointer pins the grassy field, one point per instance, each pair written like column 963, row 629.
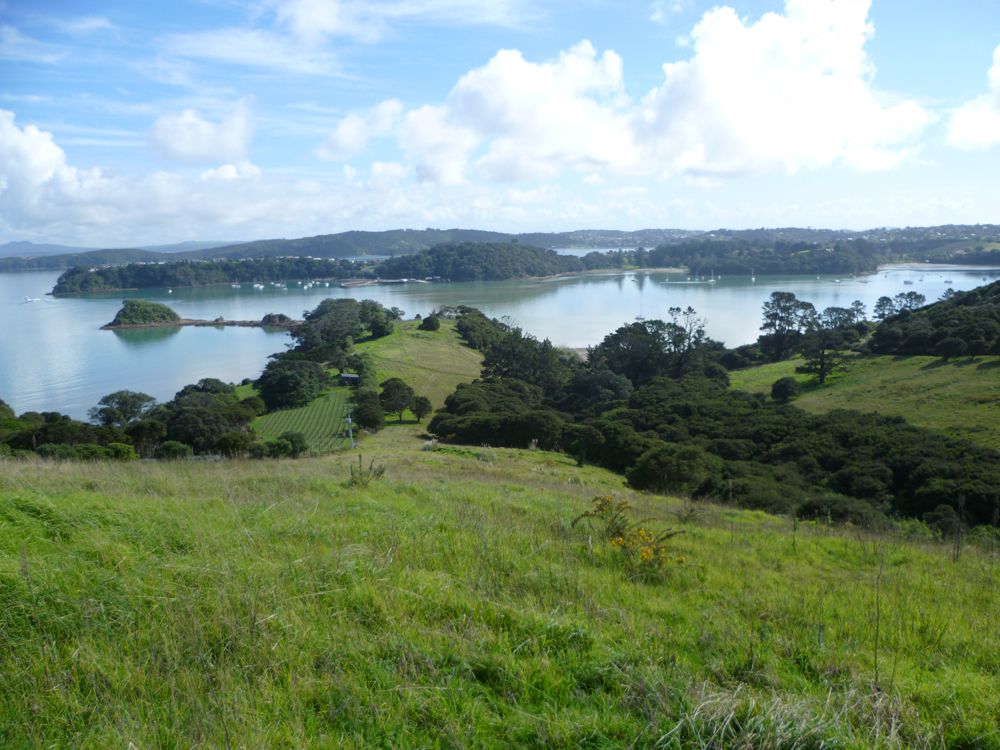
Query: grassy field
column 433, row 362
column 455, row 604
column 321, row 421
column 960, row 397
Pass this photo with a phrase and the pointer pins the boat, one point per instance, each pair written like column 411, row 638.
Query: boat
column 907, row 281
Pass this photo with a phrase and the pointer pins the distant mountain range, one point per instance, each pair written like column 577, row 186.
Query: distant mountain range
column 25, row 256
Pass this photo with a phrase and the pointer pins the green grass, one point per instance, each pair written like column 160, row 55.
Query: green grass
column 455, row 604
column 321, row 421
column 960, row 397
column 432, row 362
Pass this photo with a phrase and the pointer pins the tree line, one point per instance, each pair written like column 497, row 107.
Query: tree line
column 652, row 402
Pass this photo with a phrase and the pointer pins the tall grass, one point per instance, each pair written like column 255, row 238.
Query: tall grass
column 453, row 604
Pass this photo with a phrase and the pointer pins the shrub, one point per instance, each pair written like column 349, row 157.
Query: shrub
column 430, row 323
column 122, row 452
column 172, row 450
column 785, row 389
column 297, row 441
column 369, row 415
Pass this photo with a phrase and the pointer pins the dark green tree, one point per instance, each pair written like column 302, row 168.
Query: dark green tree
column 396, row 396
column 121, row 408
column 421, row 407
column 785, row 389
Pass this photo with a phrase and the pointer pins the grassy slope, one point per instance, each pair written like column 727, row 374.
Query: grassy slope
column 433, row 362
column 454, row 604
column 961, row 397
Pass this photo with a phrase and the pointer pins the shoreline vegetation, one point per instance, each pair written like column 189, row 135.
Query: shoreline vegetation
column 708, row 256
column 218, row 322
column 137, row 313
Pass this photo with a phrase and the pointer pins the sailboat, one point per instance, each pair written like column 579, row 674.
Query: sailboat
column 753, row 278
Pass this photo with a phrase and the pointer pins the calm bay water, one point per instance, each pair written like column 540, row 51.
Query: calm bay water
column 53, row 357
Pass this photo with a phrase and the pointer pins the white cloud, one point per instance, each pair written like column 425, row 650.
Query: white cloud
column 355, row 130
column 256, row 48
column 976, row 124
column 190, row 137
column 791, row 91
column 788, row 92
column 314, row 21
column 82, row 25
column 22, row 48
column 242, row 170
column 439, row 149
column 661, row 10
column 542, row 118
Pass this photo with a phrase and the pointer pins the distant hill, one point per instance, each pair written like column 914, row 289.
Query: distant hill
column 24, row 249
column 33, row 250
column 952, row 243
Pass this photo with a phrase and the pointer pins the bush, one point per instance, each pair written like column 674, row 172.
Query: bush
column 297, row 442
column 430, row 323
column 172, row 450
column 122, row 452
column 785, row 389
column 369, row 415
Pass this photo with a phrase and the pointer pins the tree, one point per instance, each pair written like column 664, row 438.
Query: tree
column 581, row 440
column 950, row 347
column 421, row 407
column 859, row 311
column 821, row 350
column 297, row 443
column 172, row 450
column 286, row 383
column 908, row 301
column 380, row 325
column 369, row 415
column 430, row 323
column 884, row 308
column 396, row 396
column 785, row 317
column 234, row 444
column 785, row 389
column 121, row 408
column 146, row 435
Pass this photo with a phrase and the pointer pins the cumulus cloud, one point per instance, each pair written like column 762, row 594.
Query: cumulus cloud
column 355, row 130
column 439, row 148
column 789, row 92
column 189, row 137
column 976, row 124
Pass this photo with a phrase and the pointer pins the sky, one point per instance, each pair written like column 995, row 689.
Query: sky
column 125, row 123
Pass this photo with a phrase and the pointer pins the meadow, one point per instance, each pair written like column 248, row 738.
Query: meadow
column 454, row 603
column 960, row 397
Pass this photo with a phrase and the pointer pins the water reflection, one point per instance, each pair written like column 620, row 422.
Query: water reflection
column 135, row 338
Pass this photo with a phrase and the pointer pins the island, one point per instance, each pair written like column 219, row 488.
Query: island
column 138, row 313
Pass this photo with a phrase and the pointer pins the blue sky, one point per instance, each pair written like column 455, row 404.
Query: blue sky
column 136, row 123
